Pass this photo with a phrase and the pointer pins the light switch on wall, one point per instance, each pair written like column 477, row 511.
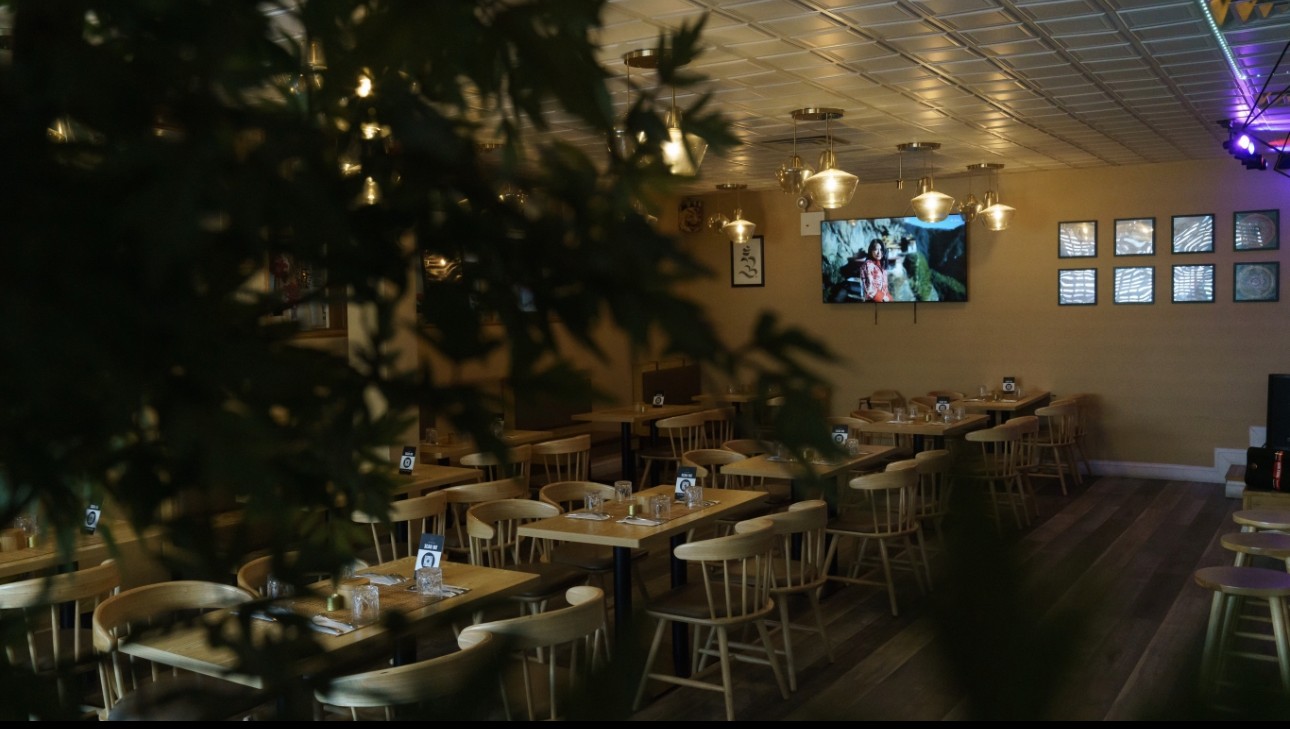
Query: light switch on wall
column 811, row 223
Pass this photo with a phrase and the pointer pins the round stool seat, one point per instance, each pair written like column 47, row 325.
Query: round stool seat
column 1251, row 519
column 1245, row 581
column 1258, row 544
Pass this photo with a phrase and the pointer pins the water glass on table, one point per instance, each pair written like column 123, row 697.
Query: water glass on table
column 622, row 490
column 430, row 581
column 366, row 605
column 661, row 507
column 595, row 502
column 694, row 496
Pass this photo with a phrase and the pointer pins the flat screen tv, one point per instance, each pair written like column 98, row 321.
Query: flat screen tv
column 893, row 260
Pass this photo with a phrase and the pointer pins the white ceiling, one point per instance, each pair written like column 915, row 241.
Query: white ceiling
column 1033, row 84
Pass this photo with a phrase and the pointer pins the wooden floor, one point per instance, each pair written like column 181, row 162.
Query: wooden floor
column 1091, row 613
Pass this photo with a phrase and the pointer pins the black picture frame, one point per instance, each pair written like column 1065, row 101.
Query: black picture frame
column 1192, row 233
column 1259, row 281
column 748, row 262
column 1193, row 283
column 1256, row 230
column 1135, row 285
column 1077, row 287
column 1135, row 236
column 1077, row 239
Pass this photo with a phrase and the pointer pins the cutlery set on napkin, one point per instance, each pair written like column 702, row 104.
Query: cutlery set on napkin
column 587, row 515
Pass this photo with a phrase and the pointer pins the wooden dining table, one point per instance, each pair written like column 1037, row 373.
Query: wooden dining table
column 1003, row 408
column 446, row 453
column 834, row 471
column 188, row 647
column 920, row 429
column 429, row 476
column 628, row 417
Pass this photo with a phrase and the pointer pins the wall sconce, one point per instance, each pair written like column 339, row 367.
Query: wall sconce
column 737, row 231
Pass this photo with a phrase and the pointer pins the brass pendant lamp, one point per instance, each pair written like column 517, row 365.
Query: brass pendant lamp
column 682, row 152
column 929, row 205
column 792, row 175
column 738, row 231
column 830, row 187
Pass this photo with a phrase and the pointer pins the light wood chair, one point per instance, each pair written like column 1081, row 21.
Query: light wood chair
column 557, row 654
column 852, row 423
column 493, row 529
column 886, row 400
column 798, row 568
column 746, row 446
column 1232, row 586
column 426, row 689
column 461, row 498
column 1056, row 444
column 53, row 648
column 779, row 491
column 994, row 466
column 563, row 459
column 872, row 415
column 681, row 433
column 517, row 464
column 398, row 534
column 136, row 688
column 891, row 518
column 734, row 593
column 1028, row 457
column 719, row 426
column 923, row 403
column 594, row 559
column 935, row 484
column 709, row 461
column 1083, row 414
column 951, row 394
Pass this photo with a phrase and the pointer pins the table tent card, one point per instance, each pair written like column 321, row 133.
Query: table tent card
column 408, row 460
column 942, row 403
column 840, row 434
column 92, row 515
column 685, row 476
column 430, row 553
column 1010, row 385
column 658, row 399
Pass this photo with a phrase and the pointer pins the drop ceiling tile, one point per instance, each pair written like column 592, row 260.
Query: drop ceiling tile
column 1048, row 9
column 989, row 15
column 1005, row 51
column 868, row 14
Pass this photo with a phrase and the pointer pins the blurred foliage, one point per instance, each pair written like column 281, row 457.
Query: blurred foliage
column 162, row 153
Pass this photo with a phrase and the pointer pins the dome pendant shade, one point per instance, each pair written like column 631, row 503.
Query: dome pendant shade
column 682, row 152
column 793, row 175
column 831, row 188
column 995, row 215
column 931, row 206
column 969, row 208
column 739, row 231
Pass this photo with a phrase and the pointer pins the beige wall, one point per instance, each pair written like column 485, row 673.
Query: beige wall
column 1174, row 381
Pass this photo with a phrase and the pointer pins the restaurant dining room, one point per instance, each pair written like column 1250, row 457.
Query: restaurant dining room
column 654, row 360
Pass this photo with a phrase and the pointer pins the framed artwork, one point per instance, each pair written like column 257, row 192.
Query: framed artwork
column 1193, row 233
column 1135, row 236
column 1257, row 281
column 1257, row 230
column 747, row 267
column 1135, row 285
column 1194, row 284
column 1077, row 286
column 1077, row 239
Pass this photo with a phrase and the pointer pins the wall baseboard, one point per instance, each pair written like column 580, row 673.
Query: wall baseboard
column 1162, row 471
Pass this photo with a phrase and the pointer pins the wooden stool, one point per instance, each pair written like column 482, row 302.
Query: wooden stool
column 1256, row 519
column 1258, row 544
column 1231, row 585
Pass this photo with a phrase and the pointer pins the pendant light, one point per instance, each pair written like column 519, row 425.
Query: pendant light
column 996, row 216
column 793, row 174
column 682, row 152
column 830, row 188
column 737, row 231
column 929, row 205
column 970, row 207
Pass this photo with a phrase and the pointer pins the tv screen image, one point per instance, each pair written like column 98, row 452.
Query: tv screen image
column 893, row 260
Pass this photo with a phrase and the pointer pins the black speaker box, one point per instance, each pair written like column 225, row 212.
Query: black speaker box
column 1279, row 412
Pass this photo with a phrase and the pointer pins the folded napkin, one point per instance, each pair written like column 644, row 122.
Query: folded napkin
column 639, row 521
column 324, row 624
column 380, row 579
column 447, row 590
column 587, row 515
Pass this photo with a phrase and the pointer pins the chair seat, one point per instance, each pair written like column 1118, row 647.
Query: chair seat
column 690, row 603
column 187, row 697
column 858, row 524
column 552, row 578
column 590, row 557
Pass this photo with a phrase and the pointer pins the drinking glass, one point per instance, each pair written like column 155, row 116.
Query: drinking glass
column 982, row 392
column 366, row 604
column 853, row 447
column 622, row 490
column 694, row 496
column 275, row 588
column 432, row 436
column 595, row 502
column 430, row 581
column 661, row 507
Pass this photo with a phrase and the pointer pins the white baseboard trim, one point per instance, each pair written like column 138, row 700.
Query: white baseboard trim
column 1162, row 471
